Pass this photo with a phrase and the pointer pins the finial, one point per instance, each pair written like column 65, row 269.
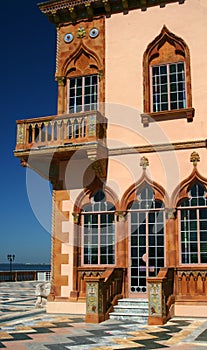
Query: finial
column 194, row 158
column 144, row 162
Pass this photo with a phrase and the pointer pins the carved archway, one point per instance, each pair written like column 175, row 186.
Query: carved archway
column 81, row 61
column 181, row 191
column 130, row 194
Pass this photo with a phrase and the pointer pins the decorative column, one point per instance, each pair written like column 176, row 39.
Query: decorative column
column 171, row 237
column 121, row 237
column 61, row 94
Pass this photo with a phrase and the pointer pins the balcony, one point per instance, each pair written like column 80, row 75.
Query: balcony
column 42, row 143
column 60, row 131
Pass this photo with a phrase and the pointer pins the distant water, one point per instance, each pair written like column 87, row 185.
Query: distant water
column 25, row 267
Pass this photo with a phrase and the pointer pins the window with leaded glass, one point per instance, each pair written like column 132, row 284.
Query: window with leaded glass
column 83, row 93
column 193, row 226
column 146, row 216
column 168, row 86
column 98, row 218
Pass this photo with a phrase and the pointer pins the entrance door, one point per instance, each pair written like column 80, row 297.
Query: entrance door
column 146, row 218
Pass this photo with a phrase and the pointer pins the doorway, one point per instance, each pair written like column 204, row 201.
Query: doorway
column 147, row 241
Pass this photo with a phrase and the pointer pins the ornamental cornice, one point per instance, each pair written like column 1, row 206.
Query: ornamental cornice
column 60, row 11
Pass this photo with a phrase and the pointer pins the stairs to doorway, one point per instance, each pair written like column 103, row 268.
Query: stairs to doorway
column 131, row 309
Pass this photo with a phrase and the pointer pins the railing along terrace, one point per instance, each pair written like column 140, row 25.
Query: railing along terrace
column 14, row 276
column 61, row 130
column 191, row 283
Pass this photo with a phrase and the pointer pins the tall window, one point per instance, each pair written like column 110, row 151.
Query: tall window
column 98, row 231
column 147, row 238
column 83, row 94
column 168, row 87
column 193, row 226
column 167, row 79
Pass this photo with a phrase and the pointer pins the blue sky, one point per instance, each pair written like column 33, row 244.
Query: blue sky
column 28, row 90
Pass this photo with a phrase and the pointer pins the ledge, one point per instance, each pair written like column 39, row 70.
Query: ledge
column 187, row 113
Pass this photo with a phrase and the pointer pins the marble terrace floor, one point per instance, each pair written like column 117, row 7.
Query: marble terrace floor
column 22, row 327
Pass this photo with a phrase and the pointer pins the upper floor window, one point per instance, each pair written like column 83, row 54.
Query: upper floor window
column 83, row 93
column 193, row 226
column 167, row 81
column 168, row 87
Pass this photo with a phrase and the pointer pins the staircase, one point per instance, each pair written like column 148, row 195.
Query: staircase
column 131, row 309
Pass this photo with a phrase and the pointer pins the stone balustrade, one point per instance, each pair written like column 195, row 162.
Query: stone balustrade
column 61, row 130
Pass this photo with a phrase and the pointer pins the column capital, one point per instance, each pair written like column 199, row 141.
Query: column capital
column 170, row 213
column 76, row 217
column 121, row 215
column 60, row 80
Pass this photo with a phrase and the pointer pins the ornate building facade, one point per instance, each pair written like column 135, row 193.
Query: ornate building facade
column 126, row 156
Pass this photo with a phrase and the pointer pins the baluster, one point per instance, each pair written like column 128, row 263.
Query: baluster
column 64, row 131
column 33, row 133
column 46, row 131
column 72, row 129
column 58, row 129
column 87, row 125
column 52, row 130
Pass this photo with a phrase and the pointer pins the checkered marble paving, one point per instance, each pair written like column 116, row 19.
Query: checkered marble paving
column 21, row 328
column 17, row 296
column 52, row 332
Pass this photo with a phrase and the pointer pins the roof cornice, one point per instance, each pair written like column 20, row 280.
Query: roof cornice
column 61, row 11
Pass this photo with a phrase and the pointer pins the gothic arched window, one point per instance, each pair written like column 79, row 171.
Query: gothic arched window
column 193, row 226
column 167, row 81
column 98, row 233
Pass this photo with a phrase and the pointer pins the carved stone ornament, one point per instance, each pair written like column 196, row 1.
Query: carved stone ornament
column 76, row 217
column 81, row 32
column 60, row 80
column 121, row 215
column 144, row 162
column 170, row 213
column 20, row 133
column 194, row 158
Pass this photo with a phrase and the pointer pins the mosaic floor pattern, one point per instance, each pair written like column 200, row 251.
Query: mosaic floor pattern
column 23, row 328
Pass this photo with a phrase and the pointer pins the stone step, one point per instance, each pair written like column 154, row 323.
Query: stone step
column 135, row 309
column 138, row 309
column 128, row 301
column 129, row 317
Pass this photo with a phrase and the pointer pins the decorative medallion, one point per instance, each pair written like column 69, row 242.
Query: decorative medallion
column 68, row 38
column 81, row 32
column 94, row 32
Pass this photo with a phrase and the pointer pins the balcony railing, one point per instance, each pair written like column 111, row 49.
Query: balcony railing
column 61, row 130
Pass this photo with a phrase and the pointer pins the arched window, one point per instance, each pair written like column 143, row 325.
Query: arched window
column 193, row 226
column 146, row 216
column 167, row 81
column 98, row 231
